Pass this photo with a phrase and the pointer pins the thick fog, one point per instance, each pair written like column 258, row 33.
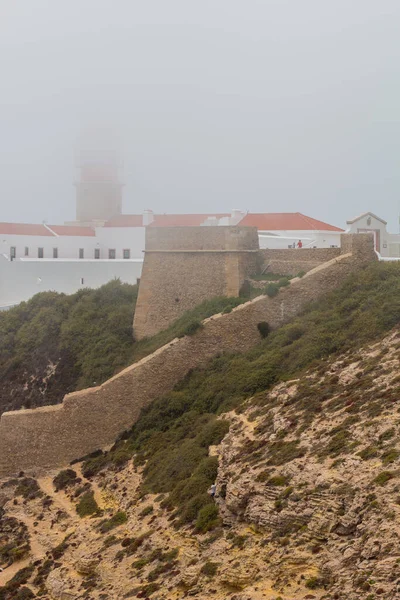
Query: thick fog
column 265, row 105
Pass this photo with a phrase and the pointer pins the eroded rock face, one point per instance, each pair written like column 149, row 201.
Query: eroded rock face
column 57, row 585
column 190, row 576
column 308, row 489
column 239, row 575
column 87, row 565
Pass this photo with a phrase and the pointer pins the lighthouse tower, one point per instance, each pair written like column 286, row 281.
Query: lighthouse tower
column 98, row 192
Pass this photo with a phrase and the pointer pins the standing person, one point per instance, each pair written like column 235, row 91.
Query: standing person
column 299, row 244
column 213, row 490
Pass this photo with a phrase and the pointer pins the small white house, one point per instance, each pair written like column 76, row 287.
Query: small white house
column 386, row 244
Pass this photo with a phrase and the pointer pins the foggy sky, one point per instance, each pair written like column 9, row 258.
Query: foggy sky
column 263, row 105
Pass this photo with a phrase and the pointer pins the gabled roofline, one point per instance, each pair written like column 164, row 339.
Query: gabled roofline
column 371, row 214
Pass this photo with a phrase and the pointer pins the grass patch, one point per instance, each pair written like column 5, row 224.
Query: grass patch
column 115, row 521
column 383, row 477
column 87, row 505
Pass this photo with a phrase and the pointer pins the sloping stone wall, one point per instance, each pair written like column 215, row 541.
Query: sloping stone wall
column 90, row 419
column 291, row 261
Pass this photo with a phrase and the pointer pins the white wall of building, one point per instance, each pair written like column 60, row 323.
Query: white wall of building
column 284, row 239
column 22, row 279
column 119, row 239
column 387, row 244
column 67, row 246
column 106, row 238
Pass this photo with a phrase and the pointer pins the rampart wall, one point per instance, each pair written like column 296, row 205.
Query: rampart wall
column 183, row 266
column 52, row 436
column 291, row 261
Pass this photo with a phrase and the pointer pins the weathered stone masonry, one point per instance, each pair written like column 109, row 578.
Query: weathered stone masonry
column 90, row 419
column 183, row 266
column 291, row 261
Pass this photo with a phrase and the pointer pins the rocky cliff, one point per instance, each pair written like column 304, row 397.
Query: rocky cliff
column 308, row 498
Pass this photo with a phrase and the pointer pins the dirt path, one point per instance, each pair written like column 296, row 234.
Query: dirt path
column 59, row 498
column 10, row 571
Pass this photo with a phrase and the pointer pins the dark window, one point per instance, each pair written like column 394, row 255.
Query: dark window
column 13, row 252
column 26, row 251
column 97, row 252
column 81, row 253
column 82, row 281
column 127, row 253
column 40, row 252
column 111, row 253
column 55, row 252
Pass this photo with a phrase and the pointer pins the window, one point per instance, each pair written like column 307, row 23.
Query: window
column 40, row 252
column 127, row 253
column 26, row 251
column 55, row 252
column 97, row 252
column 81, row 253
column 82, row 281
column 111, row 253
column 13, row 252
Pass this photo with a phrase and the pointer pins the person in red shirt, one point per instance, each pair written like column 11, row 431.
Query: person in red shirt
column 299, row 244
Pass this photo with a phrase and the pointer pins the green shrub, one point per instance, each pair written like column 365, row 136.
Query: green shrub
column 271, row 290
column 28, row 488
column 368, row 452
column 22, row 576
column 210, row 569
column 118, row 519
column 390, row 456
column 139, row 564
column 207, row 518
column 278, row 480
column 192, row 327
column 313, row 583
column 263, row 329
column 383, row 477
column 87, row 505
column 284, row 282
column 64, row 479
column 146, row 511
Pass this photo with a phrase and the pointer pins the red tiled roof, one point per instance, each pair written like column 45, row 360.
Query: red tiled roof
column 125, row 221
column 23, row 229
column 285, row 222
column 183, row 220
column 74, row 230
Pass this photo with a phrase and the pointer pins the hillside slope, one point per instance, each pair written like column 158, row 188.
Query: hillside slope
column 301, row 435
column 308, row 488
column 55, row 344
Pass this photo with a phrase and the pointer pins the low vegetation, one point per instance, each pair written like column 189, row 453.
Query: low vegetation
column 173, row 434
column 77, row 341
column 87, row 505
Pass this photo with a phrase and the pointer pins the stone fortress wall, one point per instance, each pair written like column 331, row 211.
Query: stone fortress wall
column 183, row 266
column 52, row 436
column 292, row 261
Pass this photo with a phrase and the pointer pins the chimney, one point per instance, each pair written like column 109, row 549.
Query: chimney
column 148, row 217
column 236, row 216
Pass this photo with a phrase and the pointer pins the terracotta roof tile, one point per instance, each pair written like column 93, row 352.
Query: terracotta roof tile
column 23, row 229
column 73, row 230
column 285, row 222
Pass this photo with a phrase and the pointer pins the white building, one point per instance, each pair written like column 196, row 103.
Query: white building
column 103, row 243
column 386, row 244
